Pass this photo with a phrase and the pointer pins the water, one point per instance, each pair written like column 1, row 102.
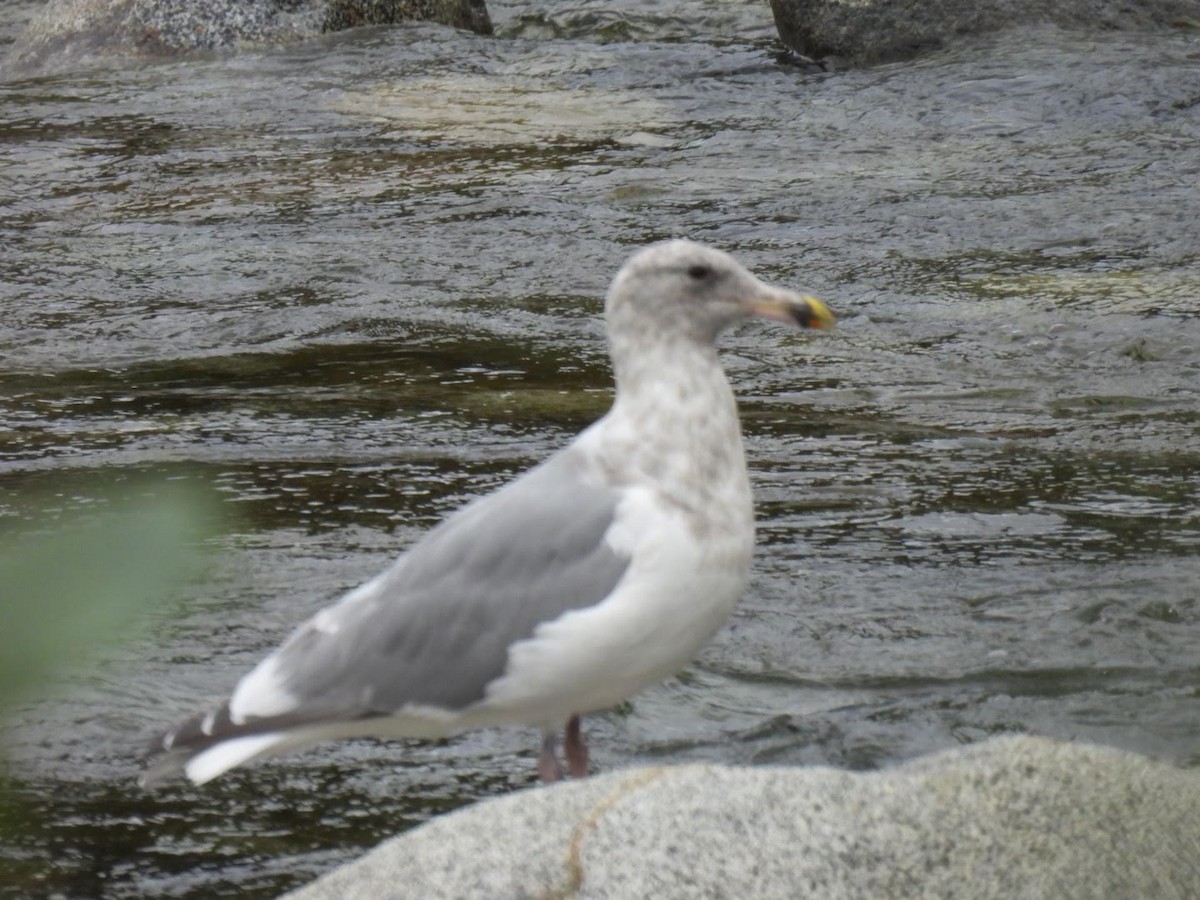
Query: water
column 355, row 283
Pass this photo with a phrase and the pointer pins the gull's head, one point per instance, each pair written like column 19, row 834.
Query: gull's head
column 689, row 289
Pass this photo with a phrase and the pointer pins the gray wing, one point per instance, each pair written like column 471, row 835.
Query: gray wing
column 435, row 629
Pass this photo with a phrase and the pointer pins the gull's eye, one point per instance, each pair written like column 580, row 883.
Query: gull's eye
column 700, row 273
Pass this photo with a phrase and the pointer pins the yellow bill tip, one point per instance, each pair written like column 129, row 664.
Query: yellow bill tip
column 795, row 309
column 812, row 313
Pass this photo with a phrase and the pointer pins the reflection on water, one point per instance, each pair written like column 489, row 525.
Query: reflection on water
column 352, row 285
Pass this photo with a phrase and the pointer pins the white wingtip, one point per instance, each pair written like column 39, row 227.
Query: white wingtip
column 218, row 759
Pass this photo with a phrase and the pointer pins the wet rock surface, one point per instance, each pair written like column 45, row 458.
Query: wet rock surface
column 873, row 31
column 68, row 33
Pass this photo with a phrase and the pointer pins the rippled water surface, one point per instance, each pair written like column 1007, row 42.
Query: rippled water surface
column 354, row 283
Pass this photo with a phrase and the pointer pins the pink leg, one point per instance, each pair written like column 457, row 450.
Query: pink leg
column 549, row 768
column 577, row 751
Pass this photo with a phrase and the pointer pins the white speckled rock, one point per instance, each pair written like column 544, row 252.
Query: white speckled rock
column 870, row 31
column 68, row 33
column 1014, row 818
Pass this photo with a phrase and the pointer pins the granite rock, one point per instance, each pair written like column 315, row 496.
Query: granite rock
column 1015, row 817
column 69, row 33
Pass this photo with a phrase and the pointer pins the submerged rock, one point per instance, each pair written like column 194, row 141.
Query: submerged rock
column 871, row 31
column 69, row 32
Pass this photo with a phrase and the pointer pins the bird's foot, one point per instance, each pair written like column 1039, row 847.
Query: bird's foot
column 577, row 751
column 549, row 768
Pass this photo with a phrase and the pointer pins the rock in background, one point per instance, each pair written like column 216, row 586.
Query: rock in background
column 68, row 33
column 872, row 31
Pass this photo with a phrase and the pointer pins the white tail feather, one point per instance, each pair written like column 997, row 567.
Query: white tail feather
column 218, row 759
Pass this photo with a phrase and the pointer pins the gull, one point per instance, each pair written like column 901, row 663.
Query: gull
column 599, row 572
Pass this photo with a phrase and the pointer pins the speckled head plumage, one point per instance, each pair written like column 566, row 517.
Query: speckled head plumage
column 681, row 288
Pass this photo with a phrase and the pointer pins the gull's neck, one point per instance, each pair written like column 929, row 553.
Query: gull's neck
column 674, row 426
column 671, row 377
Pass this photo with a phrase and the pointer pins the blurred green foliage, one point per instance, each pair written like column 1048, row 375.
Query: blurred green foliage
column 69, row 587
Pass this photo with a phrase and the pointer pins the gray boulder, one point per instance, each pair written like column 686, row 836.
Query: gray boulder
column 872, row 31
column 68, row 33
column 1013, row 818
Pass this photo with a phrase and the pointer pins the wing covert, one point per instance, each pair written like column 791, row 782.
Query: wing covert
column 435, row 628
